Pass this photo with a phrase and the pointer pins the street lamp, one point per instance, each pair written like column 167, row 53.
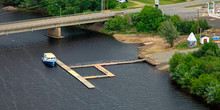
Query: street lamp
column 60, row 8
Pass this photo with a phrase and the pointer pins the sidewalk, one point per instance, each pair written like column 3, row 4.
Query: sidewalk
column 161, row 59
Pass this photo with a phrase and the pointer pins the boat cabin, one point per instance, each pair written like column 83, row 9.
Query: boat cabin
column 49, row 59
column 49, row 56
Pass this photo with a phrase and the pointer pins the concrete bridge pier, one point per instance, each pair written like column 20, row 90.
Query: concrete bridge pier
column 55, row 33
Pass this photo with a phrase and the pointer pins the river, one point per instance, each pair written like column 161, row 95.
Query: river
column 27, row 84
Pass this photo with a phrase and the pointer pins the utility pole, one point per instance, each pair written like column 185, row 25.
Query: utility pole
column 200, row 31
column 104, row 4
column 101, row 5
column 107, row 4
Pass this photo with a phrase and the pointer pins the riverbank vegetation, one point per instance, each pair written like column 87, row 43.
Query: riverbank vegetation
column 199, row 71
column 67, row 6
column 168, row 31
column 149, row 20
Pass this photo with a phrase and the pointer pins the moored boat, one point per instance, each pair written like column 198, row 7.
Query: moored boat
column 49, row 59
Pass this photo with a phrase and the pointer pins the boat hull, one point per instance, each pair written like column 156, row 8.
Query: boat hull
column 50, row 63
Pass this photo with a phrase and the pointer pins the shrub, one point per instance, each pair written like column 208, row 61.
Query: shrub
column 175, row 60
column 111, row 3
column 179, row 73
column 217, row 96
column 212, row 47
column 211, row 93
column 134, row 18
column 185, row 27
column 199, row 71
column 123, row 6
column 117, row 23
column 199, row 86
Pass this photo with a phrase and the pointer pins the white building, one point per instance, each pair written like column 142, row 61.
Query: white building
column 203, row 39
column 191, row 40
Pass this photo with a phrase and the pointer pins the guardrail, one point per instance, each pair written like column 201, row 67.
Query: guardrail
column 51, row 17
column 61, row 19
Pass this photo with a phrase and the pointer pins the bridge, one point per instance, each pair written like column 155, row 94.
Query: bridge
column 54, row 24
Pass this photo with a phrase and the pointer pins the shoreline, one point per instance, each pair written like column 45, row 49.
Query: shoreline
column 153, row 48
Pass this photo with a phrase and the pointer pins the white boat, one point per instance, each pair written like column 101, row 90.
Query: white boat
column 49, row 59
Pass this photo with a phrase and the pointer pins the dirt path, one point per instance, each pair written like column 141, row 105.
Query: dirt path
column 139, row 4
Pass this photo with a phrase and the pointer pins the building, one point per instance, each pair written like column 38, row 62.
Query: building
column 191, row 40
column 203, row 39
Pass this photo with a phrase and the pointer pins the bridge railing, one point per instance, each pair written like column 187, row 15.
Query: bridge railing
column 45, row 18
column 63, row 19
column 52, row 17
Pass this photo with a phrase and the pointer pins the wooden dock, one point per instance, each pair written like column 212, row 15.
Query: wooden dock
column 75, row 74
column 106, row 73
column 108, row 64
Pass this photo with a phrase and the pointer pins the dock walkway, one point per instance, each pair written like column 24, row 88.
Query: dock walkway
column 106, row 73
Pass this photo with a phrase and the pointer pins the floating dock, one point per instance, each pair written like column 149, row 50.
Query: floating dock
column 75, row 74
column 108, row 64
column 106, row 73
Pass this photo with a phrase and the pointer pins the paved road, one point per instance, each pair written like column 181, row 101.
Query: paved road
column 183, row 12
column 162, row 58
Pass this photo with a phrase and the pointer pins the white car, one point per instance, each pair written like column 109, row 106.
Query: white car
column 122, row 1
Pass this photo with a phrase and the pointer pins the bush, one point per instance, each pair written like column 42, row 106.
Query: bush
column 123, row 6
column 117, row 23
column 217, row 96
column 199, row 71
column 208, row 49
column 111, row 3
column 199, row 86
column 175, row 60
column 149, row 19
column 185, row 27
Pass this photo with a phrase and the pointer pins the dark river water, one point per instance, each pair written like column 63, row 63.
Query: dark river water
column 27, row 84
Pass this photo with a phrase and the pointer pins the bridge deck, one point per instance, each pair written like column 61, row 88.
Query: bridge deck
column 53, row 22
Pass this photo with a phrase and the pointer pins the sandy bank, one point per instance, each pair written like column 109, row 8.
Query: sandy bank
column 9, row 8
column 154, row 48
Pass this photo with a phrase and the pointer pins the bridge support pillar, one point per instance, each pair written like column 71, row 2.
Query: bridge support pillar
column 55, row 33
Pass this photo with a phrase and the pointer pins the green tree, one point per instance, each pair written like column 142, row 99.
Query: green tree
column 149, row 19
column 117, row 23
column 169, row 32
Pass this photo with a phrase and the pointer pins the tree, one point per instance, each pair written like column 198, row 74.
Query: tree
column 169, row 32
column 117, row 23
column 149, row 19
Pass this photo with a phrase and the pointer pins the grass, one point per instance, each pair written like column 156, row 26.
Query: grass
column 130, row 5
column 162, row 2
column 183, row 44
column 199, row 5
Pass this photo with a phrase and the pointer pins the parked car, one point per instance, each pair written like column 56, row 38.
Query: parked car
column 122, row 1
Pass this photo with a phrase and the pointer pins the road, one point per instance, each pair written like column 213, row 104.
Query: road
column 179, row 8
